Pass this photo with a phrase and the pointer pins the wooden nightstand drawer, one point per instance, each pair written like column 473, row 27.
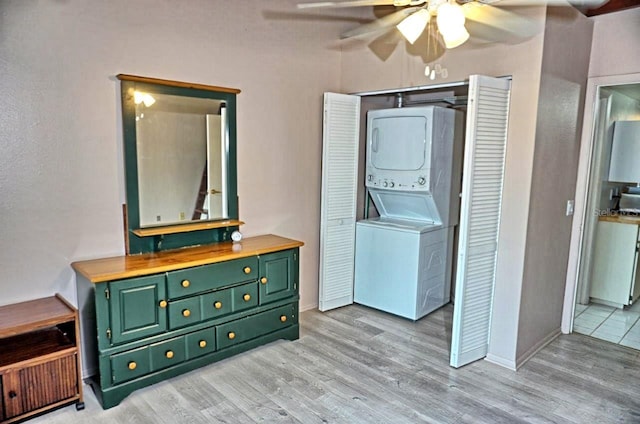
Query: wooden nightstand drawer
column 34, row 387
column 254, row 326
column 208, row 277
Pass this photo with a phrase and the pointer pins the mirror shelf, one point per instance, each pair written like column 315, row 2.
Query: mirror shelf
column 185, row 228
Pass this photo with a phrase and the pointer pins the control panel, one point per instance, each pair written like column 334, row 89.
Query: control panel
column 398, row 182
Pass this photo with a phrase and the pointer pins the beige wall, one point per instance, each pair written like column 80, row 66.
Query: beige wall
column 565, row 62
column 615, row 49
column 61, row 176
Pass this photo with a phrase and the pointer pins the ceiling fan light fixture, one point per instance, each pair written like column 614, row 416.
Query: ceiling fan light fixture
column 413, row 25
column 451, row 25
column 456, row 38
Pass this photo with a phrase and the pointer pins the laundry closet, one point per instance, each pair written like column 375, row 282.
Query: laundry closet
column 411, row 197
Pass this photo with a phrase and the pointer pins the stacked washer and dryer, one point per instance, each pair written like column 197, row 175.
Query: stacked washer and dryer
column 403, row 261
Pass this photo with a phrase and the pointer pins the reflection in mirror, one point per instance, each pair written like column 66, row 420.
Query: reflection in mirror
column 182, row 149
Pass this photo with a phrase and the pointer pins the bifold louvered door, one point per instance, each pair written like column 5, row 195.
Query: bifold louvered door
column 338, row 205
column 484, row 157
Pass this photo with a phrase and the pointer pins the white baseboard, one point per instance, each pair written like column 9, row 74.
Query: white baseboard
column 509, row 364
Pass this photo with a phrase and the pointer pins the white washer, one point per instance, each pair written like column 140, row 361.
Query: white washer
column 403, row 267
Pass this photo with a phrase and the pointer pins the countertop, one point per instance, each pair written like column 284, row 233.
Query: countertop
column 621, row 219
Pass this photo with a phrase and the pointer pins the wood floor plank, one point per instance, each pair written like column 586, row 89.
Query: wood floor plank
column 356, row 365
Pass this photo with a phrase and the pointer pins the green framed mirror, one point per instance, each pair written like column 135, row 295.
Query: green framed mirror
column 180, row 163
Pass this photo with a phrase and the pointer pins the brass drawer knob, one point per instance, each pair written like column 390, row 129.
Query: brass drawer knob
column 263, row 280
column 247, row 270
column 283, row 318
column 186, row 313
column 202, row 344
column 185, row 283
column 132, row 365
column 231, row 335
column 169, row 354
column 217, row 305
column 246, row 297
column 163, row 304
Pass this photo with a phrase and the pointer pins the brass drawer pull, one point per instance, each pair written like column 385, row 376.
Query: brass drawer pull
column 202, row 344
column 247, row 270
column 231, row 335
column 163, row 304
column 185, row 283
column 186, row 313
column 263, row 280
column 217, row 305
column 246, row 297
column 283, row 318
column 169, row 354
column 132, row 365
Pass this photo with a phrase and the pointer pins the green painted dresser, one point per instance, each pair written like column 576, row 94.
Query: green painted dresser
column 149, row 317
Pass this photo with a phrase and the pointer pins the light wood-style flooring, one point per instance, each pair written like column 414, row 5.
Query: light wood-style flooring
column 357, row 365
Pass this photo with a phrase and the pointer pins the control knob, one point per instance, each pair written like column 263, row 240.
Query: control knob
column 370, row 177
column 385, row 184
column 391, row 184
column 421, row 180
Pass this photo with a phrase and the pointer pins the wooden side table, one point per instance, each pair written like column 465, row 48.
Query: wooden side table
column 39, row 358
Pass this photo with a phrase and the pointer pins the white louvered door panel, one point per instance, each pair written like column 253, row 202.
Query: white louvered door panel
column 484, row 157
column 341, row 131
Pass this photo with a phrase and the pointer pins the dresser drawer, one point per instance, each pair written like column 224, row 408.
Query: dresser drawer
column 216, row 304
column 254, row 326
column 200, row 342
column 167, row 353
column 198, row 279
column 244, row 296
column 184, row 312
column 131, row 364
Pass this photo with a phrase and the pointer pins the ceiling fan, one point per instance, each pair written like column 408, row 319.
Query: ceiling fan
column 488, row 21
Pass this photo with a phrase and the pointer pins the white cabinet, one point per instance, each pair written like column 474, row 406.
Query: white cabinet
column 615, row 265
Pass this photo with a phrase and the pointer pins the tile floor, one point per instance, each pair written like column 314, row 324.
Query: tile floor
column 621, row 326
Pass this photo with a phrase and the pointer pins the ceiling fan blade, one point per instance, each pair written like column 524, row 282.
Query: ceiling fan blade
column 495, row 24
column 353, row 3
column 380, row 24
column 576, row 3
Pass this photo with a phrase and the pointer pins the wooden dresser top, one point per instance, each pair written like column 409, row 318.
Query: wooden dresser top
column 118, row 267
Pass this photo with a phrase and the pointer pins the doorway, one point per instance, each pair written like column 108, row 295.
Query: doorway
column 602, row 297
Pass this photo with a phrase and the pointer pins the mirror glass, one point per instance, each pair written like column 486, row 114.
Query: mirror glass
column 182, row 150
